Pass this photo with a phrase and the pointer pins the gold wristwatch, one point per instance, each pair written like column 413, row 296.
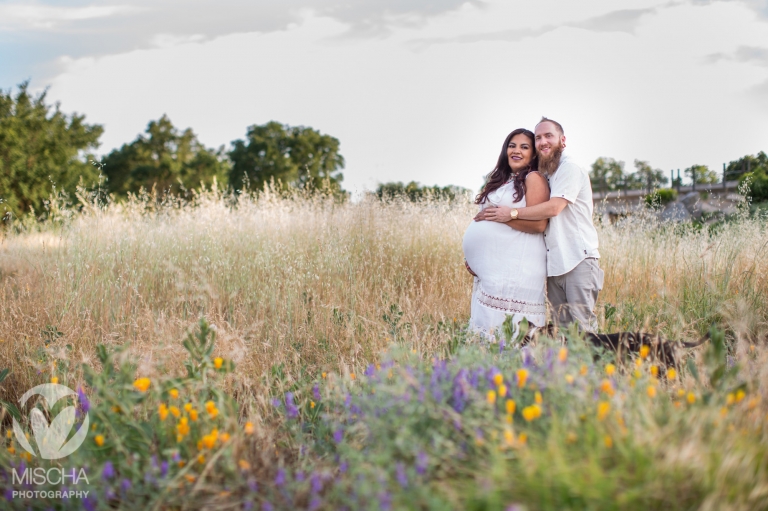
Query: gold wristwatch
column 513, row 214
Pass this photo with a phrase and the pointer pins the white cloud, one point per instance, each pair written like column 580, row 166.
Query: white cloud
column 40, row 17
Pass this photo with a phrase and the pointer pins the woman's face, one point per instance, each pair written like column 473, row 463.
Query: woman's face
column 519, row 152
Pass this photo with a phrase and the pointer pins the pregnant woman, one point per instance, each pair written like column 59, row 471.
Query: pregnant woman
column 508, row 259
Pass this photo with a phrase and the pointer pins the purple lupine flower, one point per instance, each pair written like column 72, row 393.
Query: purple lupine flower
column 125, row 485
column 422, row 462
column 316, row 482
column 525, row 353
column 355, row 410
column 110, row 494
column 176, row 458
column 370, row 370
column 458, row 399
column 299, row 476
column 316, row 392
column 266, row 506
column 164, row 468
column 108, row 472
column 338, row 435
column 385, row 501
column 153, row 460
column 343, row 467
column 247, row 505
column 253, row 485
column 347, row 401
column 9, row 495
column 89, row 503
column 290, row 408
column 315, row 503
column 502, row 345
column 85, row 405
column 280, row 477
column 402, row 477
column 276, row 403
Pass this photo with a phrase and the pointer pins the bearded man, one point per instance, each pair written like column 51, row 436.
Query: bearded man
column 574, row 277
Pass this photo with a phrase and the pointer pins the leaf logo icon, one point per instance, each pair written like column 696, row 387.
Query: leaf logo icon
column 51, row 438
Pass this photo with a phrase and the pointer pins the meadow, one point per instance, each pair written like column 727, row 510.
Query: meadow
column 291, row 352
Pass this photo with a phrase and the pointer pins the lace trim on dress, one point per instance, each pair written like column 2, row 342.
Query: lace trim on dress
column 511, row 305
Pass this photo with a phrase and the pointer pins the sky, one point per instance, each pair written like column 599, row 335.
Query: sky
column 422, row 90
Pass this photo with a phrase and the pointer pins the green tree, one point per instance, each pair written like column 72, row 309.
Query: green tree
column 41, row 148
column 166, row 158
column 295, row 156
column 415, row 192
column 647, row 177
column 748, row 163
column 607, row 174
column 703, row 174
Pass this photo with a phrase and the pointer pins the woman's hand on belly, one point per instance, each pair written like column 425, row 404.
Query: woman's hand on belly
column 500, row 214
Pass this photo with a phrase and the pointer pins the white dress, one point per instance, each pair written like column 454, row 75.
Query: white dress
column 511, row 268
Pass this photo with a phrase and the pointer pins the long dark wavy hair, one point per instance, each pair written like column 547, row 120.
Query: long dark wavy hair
column 503, row 172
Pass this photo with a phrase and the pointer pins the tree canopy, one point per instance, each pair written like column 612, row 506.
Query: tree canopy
column 41, row 148
column 414, row 191
column 607, row 174
column 748, row 163
column 295, row 156
column 166, row 158
column 702, row 174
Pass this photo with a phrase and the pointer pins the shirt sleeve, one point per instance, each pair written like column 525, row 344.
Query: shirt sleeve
column 568, row 183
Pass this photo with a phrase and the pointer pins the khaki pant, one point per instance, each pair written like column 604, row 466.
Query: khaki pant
column 573, row 295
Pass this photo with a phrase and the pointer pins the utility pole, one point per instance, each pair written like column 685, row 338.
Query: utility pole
column 724, row 178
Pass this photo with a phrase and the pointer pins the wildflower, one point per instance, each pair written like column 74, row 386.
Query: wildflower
column 607, row 387
column 571, row 437
column 522, row 438
column 12, row 450
column 568, row 379
column 537, row 397
column 651, row 390
column 174, row 393
column 175, row 411
column 603, row 408
column 193, row 415
column 210, row 407
column 509, row 437
column 325, row 374
column 182, row 428
column 502, row 390
column 352, row 375
column 563, row 354
column 54, row 379
column 691, row 398
column 498, row 379
column 244, row 465
column 610, row 369
column 724, row 411
column 187, row 407
column 522, row 376
column 422, row 463
column 402, row 477
column 730, row 398
column 316, row 392
column 200, row 459
column 248, row 428
column 218, row 362
column 671, row 374
column 190, row 478
column 531, row 412
column 117, row 409
column 654, row 371
column 280, row 477
column 583, row 370
column 491, row 396
column 162, row 410
column 510, row 406
column 99, row 439
column 645, row 350
column 608, row 441
column 209, row 441
column 740, row 395
column 142, row 384
column 680, row 392
column 290, row 407
column 752, row 404
column 312, row 405
column 638, row 362
column 338, row 435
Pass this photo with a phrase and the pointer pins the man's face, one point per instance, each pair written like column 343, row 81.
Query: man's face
column 548, row 139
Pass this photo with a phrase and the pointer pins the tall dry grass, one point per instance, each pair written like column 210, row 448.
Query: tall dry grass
column 315, row 285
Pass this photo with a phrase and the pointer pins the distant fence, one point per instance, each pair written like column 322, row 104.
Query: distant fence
column 634, row 195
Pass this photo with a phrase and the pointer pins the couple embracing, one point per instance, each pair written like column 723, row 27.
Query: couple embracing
column 533, row 239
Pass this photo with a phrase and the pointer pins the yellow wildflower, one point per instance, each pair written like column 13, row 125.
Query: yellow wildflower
column 244, row 465
column 502, row 390
column 651, row 390
column 210, row 407
column 54, row 379
column 181, row 463
column 99, row 439
column 637, row 373
column 142, row 384
column 510, row 406
column 724, row 411
column 654, row 371
column 224, row 437
column 563, row 354
column 162, row 410
column 740, row 395
column 174, row 393
column 312, row 405
column 610, row 369
column 190, row 478
column 531, row 412
column 193, row 415
column 603, row 408
column 352, row 375
column 645, row 350
column 730, row 398
column 607, row 387
column 210, row 440
column 537, row 397
column 568, row 379
column 12, row 450
column 680, row 392
column 187, row 407
column 583, row 370
column 248, row 428
column 174, row 411
column 691, row 398
column 200, row 459
column 498, row 379
column 671, row 374
column 324, row 374
column 608, row 441
column 218, row 362
column 509, row 437
column 491, row 396
column 509, row 418
column 522, row 377
column 182, row 428
column 522, row 438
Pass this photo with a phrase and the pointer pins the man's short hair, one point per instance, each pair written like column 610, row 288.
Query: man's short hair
column 557, row 124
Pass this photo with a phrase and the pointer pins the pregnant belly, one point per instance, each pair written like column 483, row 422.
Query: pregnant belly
column 482, row 244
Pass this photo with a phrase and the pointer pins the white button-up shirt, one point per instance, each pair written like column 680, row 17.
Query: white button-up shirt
column 570, row 236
